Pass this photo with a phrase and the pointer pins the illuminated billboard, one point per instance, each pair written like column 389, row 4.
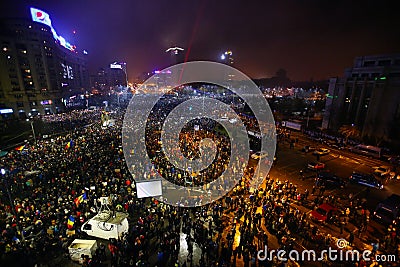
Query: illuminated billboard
column 44, row 18
column 115, row 66
column 40, row 16
column 6, row 111
column 67, row 72
column 46, row 102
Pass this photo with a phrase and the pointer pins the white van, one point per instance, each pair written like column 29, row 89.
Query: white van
column 82, row 246
column 106, row 225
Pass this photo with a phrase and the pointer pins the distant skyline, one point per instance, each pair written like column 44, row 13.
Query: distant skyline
column 310, row 39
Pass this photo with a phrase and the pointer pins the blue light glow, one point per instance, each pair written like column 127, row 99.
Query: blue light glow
column 44, row 18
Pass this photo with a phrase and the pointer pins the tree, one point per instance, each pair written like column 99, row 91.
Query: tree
column 349, row 131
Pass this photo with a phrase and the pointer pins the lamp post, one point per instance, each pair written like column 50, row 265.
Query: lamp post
column 118, row 96
column 33, row 129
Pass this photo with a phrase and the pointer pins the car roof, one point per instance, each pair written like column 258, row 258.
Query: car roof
column 362, row 174
column 327, row 207
column 326, row 174
column 393, row 201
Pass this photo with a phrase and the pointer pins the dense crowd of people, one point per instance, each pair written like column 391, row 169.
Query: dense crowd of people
column 42, row 181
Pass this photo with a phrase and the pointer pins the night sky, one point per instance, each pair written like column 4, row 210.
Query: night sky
column 311, row 39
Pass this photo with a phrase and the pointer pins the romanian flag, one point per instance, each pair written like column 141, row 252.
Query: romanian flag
column 80, row 199
column 71, row 222
column 20, row 148
column 69, row 144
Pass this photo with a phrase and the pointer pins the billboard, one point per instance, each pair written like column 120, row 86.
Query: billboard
column 292, row 125
column 6, row 111
column 115, row 66
column 67, row 72
column 40, row 16
column 44, row 18
column 46, row 102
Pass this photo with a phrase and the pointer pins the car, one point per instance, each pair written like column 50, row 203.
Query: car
column 259, row 155
column 388, row 211
column 334, row 144
column 381, row 170
column 321, row 151
column 316, row 166
column 329, row 179
column 308, row 148
column 395, row 160
column 324, row 213
column 365, row 179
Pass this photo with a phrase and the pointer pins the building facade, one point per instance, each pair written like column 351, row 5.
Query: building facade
column 37, row 70
column 109, row 77
column 177, row 55
column 368, row 96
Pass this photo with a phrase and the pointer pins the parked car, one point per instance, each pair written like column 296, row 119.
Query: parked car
column 334, row 144
column 324, row 213
column 259, row 155
column 366, row 179
column 329, row 179
column 308, row 148
column 388, row 211
column 381, row 170
column 321, row 151
column 316, row 166
column 395, row 160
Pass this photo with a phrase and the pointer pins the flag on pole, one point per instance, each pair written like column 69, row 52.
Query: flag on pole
column 80, row 199
column 69, row 144
column 71, row 222
column 20, row 148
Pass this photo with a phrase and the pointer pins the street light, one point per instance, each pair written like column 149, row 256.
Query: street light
column 33, row 129
column 118, row 96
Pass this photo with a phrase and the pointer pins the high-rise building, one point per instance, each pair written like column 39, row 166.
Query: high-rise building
column 117, row 74
column 113, row 75
column 38, row 67
column 227, row 57
column 99, row 80
column 176, row 55
column 368, row 97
